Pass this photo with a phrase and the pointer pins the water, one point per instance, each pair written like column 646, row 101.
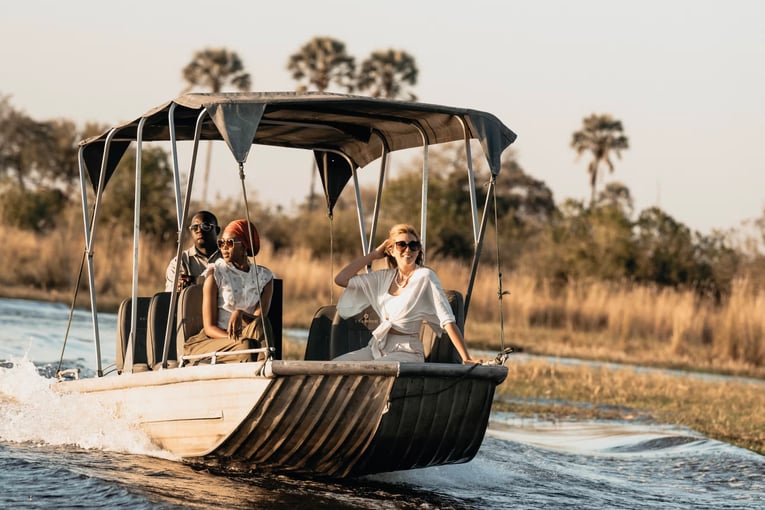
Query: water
column 57, row 451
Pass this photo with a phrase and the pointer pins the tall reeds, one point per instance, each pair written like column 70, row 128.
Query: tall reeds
column 613, row 320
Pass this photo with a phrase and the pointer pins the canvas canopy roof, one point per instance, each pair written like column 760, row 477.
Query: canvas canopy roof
column 334, row 126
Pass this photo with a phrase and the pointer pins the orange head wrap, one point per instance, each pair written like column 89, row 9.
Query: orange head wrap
column 238, row 230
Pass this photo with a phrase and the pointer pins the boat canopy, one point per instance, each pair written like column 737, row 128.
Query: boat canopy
column 345, row 132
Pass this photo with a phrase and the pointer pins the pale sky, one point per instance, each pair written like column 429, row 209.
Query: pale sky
column 686, row 78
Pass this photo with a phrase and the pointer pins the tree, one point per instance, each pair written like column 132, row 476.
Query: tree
column 384, row 72
column 321, row 62
column 665, row 248
column 157, row 213
column 25, row 146
column 38, row 168
column 618, row 196
column 601, row 135
column 214, row 69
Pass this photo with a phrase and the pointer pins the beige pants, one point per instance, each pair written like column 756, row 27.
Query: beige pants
column 252, row 338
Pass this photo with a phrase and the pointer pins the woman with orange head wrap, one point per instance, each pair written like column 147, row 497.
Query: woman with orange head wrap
column 237, row 229
column 237, row 297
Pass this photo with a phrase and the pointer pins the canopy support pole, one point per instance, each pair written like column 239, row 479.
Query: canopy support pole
column 181, row 222
column 471, row 181
column 378, row 196
column 90, row 234
column 129, row 360
column 479, row 243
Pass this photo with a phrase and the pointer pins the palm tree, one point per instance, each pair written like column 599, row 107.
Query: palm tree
column 385, row 71
column 600, row 135
column 214, row 69
column 321, row 62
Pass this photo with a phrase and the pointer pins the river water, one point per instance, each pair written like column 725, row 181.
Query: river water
column 57, row 452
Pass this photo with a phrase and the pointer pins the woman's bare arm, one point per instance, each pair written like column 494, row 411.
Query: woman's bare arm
column 356, row 265
column 455, row 335
column 210, row 309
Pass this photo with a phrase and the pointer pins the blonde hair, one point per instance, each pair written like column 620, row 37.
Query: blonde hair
column 403, row 228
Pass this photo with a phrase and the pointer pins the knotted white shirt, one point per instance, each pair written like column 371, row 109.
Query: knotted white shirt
column 422, row 300
column 237, row 289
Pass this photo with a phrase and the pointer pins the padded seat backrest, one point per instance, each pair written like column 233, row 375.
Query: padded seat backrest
column 439, row 348
column 319, row 334
column 189, row 316
column 124, row 313
column 159, row 309
column 352, row 333
column 189, row 320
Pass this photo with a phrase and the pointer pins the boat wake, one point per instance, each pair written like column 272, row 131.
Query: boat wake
column 542, row 464
column 34, row 413
column 594, row 437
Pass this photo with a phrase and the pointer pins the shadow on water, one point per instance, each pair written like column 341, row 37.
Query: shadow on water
column 61, row 476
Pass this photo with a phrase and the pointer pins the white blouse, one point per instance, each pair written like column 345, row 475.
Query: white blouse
column 422, row 300
column 237, row 289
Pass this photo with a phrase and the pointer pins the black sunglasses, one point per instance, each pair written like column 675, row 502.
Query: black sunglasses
column 229, row 243
column 413, row 245
column 206, row 227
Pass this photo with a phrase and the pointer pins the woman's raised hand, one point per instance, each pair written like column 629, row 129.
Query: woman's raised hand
column 381, row 250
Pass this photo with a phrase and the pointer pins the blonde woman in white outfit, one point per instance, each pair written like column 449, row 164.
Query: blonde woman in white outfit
column 403, row 296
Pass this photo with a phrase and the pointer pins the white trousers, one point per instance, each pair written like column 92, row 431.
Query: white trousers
column 406, row 348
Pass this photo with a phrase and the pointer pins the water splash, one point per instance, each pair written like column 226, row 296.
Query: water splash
column 33, row 413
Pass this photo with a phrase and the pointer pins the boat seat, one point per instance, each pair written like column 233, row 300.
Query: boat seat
column 355, row 332
column 159, row 309
column 140, row 361
column 352, row 333
column 189, row 319
column 439, row 348
column 317, row 346
column 189, row 316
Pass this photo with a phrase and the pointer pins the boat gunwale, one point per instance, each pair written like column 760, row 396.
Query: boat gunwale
column 282, row 368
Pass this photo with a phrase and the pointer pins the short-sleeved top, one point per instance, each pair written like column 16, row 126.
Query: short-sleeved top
column 237, row 289
column 422, row 300
column 193, row 263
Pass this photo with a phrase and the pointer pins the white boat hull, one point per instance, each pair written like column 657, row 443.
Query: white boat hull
column 317, row 418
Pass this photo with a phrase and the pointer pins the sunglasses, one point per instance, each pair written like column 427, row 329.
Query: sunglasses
column 228, row 243
column 206, row 227
column 412, row 245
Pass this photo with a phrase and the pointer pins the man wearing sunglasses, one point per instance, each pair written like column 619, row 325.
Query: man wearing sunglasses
column 204, row 232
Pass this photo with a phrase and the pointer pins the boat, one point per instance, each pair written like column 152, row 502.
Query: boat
column 314, row 416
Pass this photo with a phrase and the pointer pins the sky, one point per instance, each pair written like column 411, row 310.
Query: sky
column 685, row 77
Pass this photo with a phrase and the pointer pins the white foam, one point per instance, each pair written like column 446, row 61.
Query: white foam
column 33, row 413
column 584, row 437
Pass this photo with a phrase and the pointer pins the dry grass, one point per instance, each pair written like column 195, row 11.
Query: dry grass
column 590, row 320
column 595, row 320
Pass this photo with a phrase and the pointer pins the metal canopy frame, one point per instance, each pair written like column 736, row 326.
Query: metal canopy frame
column 356, row 129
